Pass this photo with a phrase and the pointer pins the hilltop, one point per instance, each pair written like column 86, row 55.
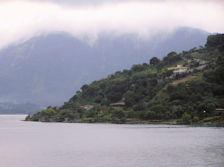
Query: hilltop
column 184, row 87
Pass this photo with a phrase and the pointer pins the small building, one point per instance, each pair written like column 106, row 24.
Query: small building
column 86, row 107
column 178, row 69
column 118, row 105
column 200, row 61
column 219, row 111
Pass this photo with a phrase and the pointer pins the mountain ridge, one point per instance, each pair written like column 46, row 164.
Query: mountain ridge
column 46, row 70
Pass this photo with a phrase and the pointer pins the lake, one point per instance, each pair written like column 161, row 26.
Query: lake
column 35, row 144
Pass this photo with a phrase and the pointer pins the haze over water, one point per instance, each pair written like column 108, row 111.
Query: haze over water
column 24, row 144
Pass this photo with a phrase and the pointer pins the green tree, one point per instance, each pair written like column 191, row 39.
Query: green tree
column 129, row 98
column 49, row 112
column 118, row 113
column 149, row 115
column 186, row 118
column 154, row 61
column 215, row 40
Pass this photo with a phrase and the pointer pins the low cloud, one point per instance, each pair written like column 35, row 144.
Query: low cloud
column 21, row 20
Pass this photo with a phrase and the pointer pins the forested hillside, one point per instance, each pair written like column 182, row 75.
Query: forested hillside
column 186, row 87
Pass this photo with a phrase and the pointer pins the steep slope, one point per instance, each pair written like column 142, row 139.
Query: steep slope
column 160, row 90
column 49, row 69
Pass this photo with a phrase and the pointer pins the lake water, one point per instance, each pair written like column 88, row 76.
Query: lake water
column 34, row 144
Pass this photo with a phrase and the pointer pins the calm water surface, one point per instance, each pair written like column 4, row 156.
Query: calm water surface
column 34, row 144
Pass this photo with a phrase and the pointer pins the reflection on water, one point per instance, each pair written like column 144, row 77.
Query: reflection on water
column 26, row 144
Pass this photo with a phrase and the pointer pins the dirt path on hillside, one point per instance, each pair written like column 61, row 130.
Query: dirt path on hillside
column 187, row 78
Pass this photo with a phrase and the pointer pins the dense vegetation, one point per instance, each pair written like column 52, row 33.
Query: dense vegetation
column 151, row 92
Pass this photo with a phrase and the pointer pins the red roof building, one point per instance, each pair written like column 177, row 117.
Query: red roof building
column 219, row 110
column 118, row 105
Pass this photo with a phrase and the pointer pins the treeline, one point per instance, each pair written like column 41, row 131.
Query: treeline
column 149, row 92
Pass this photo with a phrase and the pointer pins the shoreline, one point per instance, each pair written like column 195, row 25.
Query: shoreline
column 140, row 122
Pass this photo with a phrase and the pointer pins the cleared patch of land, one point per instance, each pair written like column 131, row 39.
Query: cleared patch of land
column 187, row 78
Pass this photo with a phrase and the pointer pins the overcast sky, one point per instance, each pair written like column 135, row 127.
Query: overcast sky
column 23, row 19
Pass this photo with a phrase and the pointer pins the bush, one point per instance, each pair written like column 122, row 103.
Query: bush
column 186, row 118
column 158, row 108
column 106, row 118
column 90, row 119
column 117, row 113
column 50, row 112
column 149, row 115
column 154, row 61
column 196, row 119
column 130, row 114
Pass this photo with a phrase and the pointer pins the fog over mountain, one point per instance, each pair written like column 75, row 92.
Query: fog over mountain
column 48, row 69
column 90, row 18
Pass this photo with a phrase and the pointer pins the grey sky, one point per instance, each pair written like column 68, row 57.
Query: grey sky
column 23, row 19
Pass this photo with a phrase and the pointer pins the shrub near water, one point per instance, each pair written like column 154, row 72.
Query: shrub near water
column 118, row 114
column 186, row 118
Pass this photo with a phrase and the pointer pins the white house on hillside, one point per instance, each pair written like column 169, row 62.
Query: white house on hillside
column 178, row 69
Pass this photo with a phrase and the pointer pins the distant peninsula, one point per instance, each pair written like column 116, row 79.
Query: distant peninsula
column 182, row 88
